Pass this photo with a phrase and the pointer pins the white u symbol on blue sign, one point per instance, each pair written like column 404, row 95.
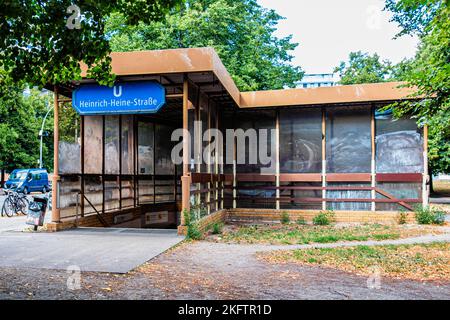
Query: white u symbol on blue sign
column 120, row 91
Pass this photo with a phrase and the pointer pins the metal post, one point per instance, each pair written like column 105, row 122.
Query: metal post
column 373, row 159
column 277, row 156
column 41, row 134
column 186, row 179
column 324, row 161
column 426, row 178
column 55, row 181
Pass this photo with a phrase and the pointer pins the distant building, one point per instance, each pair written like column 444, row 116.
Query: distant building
column 317, row 80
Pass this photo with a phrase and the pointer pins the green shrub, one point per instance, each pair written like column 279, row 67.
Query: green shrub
column 193, row 232
column 402, row 217
column 217, row 228
column 324, row 218
column 301, row 221
column 285, row 218
column 427, row 215
column 439, row 217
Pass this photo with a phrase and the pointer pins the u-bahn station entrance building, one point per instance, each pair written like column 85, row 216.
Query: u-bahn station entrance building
column 333, row 148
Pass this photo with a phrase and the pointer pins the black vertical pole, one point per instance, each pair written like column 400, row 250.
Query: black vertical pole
column 120, row 162
column 103, row 166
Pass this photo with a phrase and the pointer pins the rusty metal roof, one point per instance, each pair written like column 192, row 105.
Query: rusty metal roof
column 206, row 67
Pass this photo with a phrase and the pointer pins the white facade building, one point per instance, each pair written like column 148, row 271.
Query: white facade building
column 317, row 80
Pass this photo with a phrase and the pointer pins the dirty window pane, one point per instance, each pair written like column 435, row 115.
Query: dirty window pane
column 398, row 190
column 69, row 156
column 348, row 194
column 93, row 144
column 112, row 144
column 127, row 145
column 399, row 145
column 301, row 141
column 348, row 143
column 145, row 138
column 254, row 122
column 93, row 190
column 112, row 194
column 163, row 150
column 69, row 188
column 127, row 192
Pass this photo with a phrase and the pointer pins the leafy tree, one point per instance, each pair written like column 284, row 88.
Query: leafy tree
column 241, row 31
column 364, row 68
column 429, row 72
column 37, row 46
column 20, row 121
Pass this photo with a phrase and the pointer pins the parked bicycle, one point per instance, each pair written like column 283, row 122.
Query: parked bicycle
column 15, row 203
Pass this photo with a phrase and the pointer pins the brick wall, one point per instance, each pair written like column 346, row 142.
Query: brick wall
column 252, row 216
column 206, row 223
column 270, row 215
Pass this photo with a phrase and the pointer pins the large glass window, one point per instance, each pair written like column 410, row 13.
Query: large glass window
column 301, row 140
column 163, row 151
column 146, row 147
column 348, row 145
column 69, row 156
column 112, row 132
column 93, row 144
column 252, row 123
column 399, row 145
column 127, row 145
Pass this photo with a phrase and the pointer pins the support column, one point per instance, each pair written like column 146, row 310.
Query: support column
column 234, row 165
column 373, row 159
column 426, row 178
column 186, row 178
column 277, row 158
column 324, row 161
column 208, row 197
column 56, row 178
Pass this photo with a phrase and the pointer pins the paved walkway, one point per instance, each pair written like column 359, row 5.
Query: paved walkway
column 93, row 249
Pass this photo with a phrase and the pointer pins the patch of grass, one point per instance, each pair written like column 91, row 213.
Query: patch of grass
column 217, row 228
column 417, row 262
column 284, row 218
column 301, row 221
column 304, row 234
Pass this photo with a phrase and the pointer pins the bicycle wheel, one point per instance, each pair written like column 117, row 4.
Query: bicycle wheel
column 22, row 205
column 8, row 207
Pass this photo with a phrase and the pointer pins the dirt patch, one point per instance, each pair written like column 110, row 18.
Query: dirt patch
column 207, row 270
column 422, row 262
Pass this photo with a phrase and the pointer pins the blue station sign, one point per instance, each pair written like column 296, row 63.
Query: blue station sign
column 122, row 98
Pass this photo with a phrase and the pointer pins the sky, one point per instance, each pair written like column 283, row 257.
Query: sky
column 328, row 30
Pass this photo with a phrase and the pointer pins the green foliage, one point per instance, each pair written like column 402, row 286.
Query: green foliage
column 284, row 218
column 324, row 218
column 363, row 68
column 193, row 231
column 217, row 228
column 402, row 217
column 241, row 31
column 429, row 72
column 21, row 113
column 427, row 215
column 301, row 221
column 36, row 46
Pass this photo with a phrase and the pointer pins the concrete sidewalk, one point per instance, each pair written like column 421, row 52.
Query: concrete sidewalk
column 91, row 249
